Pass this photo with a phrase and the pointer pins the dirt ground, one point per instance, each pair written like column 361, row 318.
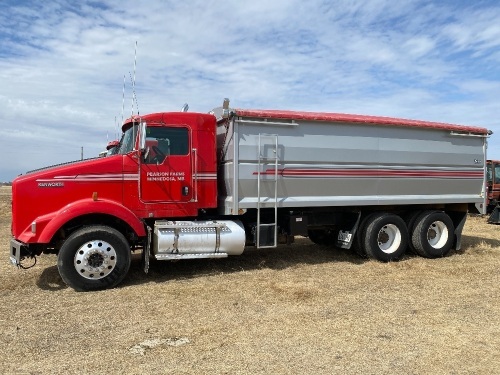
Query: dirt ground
column 302, row 309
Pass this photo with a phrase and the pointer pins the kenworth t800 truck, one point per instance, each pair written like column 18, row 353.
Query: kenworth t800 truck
column 192, row 185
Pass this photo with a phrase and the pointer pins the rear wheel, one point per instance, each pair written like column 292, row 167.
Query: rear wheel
column 385, row 237
column 358, row 245
column 410, row 220
column 94, row 258
column 433, row 234
column 325, row 237
column 318, row 236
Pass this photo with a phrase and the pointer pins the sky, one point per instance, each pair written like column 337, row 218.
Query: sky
column 63, row 65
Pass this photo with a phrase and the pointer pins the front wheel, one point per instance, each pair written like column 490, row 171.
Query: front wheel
column 94, row 258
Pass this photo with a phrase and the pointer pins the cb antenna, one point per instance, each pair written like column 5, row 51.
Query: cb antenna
column 134, row 96
column 123, row 98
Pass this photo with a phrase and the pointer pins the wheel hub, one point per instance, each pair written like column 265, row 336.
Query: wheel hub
column 389, row 238
column 95, row 259
column 431, row 234
column 437, row 234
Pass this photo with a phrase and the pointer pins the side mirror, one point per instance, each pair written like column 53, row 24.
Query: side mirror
column 142, row 136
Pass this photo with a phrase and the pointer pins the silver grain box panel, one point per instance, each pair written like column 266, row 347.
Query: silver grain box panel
column 346, row 160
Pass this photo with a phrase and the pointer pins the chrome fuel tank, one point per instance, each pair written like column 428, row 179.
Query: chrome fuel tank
column 200, row 239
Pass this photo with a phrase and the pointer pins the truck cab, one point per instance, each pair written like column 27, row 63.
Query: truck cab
column 164, row 167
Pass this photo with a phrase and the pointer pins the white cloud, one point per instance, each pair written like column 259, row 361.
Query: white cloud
column 419, row 46
column 477, row 30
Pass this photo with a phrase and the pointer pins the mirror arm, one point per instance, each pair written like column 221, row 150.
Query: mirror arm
column 142, row 137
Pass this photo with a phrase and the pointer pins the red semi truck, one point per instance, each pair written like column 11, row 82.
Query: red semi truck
column 192, row 185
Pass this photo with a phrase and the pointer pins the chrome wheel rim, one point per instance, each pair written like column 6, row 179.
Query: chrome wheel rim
column 95, row 260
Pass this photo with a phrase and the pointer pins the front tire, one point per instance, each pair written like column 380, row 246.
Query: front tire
column 94, row 258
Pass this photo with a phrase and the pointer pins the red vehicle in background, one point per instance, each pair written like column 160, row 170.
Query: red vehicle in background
column 493, row 183
column 493, row 186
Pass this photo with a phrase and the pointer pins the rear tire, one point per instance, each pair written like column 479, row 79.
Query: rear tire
column 94, row 258
column 318, row 236
column 411, row 219
column 324, row 237
column 358, row 245
column 385, row 237
column 433, row 234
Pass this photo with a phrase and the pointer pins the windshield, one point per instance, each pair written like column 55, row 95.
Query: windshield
column 113, row 150
column 127, row 142
column 489, row 176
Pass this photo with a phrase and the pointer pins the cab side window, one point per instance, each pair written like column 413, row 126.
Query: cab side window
column 497, row 174
column 162, row 142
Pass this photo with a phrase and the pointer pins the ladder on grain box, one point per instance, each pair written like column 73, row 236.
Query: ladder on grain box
column 267, row 181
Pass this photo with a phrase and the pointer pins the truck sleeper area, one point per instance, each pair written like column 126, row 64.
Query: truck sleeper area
column 191, row 185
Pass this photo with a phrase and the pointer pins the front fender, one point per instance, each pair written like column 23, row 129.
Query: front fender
column 49, row 224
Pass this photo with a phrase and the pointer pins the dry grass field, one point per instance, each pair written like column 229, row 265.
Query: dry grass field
column 302, row 309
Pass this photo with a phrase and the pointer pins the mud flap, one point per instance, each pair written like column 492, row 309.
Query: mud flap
column 345, row 238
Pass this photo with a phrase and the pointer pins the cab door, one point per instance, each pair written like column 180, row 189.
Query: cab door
column 166, row 165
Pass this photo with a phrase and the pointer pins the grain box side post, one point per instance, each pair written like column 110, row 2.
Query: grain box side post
column 383, row 184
